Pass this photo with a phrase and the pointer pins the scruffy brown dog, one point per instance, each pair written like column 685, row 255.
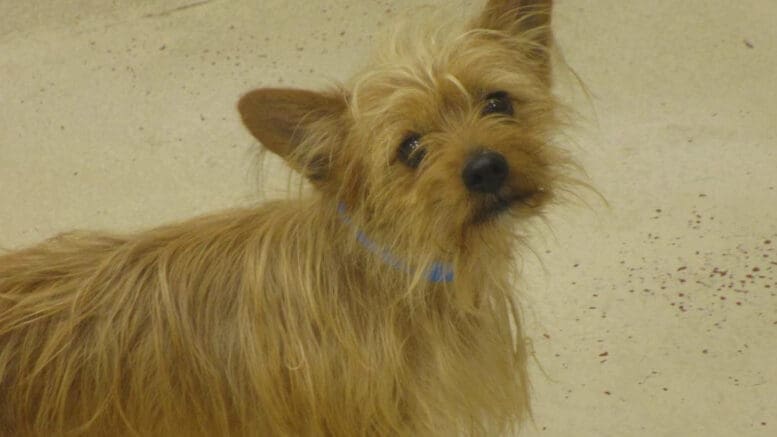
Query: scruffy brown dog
column 378, row 305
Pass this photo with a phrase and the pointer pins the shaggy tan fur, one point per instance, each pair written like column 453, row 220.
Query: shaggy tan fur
column 281, row 320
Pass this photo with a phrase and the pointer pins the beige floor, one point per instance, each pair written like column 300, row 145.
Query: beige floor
column 656, row 316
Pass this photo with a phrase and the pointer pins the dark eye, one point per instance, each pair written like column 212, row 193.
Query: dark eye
column 498, row 103
column 410, row 151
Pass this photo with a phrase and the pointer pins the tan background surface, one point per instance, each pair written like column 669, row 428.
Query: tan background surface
column 656, row 316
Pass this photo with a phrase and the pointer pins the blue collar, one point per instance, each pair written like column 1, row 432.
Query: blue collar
column 439, row 272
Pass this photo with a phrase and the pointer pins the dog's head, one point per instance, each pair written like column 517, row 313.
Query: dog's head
column 442, row 137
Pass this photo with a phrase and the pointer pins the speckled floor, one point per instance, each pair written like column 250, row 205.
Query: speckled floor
column 655, row 316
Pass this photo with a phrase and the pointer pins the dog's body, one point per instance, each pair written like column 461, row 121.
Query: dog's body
column 252, row 322
column 379, row 305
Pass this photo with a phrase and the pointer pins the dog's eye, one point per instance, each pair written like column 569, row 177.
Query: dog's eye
column 410, row 151
column 498, row 103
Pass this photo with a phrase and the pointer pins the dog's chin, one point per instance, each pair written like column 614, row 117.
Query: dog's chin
column 500, row 207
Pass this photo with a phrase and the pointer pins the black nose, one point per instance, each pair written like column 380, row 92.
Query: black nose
column 485, row 172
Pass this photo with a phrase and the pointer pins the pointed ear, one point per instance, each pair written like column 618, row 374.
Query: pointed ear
column 283, row 119
column 528, row 18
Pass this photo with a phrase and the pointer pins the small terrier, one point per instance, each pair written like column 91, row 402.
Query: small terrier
column 380, row 304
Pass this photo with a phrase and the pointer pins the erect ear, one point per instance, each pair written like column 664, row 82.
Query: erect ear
column 286, row 121
column 528, row 18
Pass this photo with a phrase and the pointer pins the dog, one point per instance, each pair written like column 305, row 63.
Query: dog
column 381, row 303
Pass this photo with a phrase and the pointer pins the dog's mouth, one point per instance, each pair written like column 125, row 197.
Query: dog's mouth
column 497, row 205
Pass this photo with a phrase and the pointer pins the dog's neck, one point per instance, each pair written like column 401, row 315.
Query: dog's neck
column 438, row 272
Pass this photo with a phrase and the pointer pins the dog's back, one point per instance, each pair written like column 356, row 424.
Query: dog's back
column 101, row 334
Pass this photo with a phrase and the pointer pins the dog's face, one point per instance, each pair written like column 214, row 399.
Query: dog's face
column 445, row 134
